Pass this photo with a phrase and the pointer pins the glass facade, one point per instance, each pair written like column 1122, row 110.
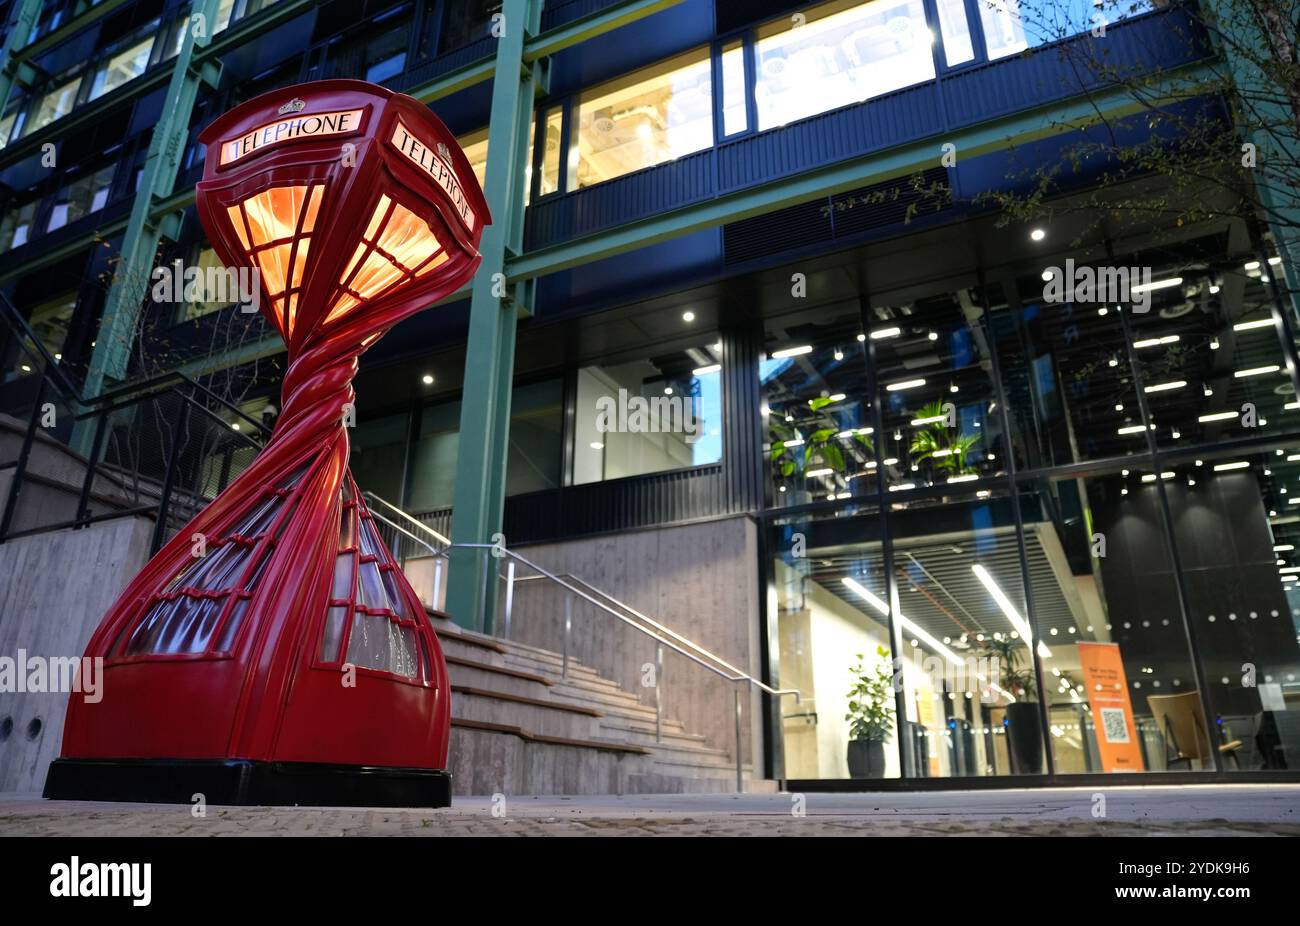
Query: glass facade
column 1097, row 577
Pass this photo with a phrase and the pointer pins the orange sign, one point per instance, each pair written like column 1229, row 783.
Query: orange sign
column 1112, row 712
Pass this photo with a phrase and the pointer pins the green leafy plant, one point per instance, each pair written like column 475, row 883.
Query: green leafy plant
column 946, row 448
column 1015, row 671
column 871, row 699
column 821, row 448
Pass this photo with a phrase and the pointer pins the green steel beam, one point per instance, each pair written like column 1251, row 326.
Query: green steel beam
column 877, row 167
column 479, row 499
column 89, row 114
column 540, row 46
column 144, row 229
column 15, row 50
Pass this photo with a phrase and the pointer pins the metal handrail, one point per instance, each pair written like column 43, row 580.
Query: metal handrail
column 738, row 676
column 372, row 497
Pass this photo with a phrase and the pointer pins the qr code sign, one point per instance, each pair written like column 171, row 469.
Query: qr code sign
column 1114, row 726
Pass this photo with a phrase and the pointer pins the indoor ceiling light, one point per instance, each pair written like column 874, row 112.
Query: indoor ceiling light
column 905, row 384
column 1216, row 416
column 817, row 473
column 1153, row 342
column 1236, row 464
column 1252, row 265
column 427, row 379
column 907, row 623
column 1257, row 371
column 688, row 316
column 1018, row 622
column 1134, row 429
column 791, row 352
column 706, row 370
column 1037, row 234
column 1165, row 387
column 1157, row 284
column 1252, row 325
column 881, row 333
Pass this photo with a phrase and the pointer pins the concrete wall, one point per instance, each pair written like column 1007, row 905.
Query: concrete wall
column 700, row 580
column 54, row 589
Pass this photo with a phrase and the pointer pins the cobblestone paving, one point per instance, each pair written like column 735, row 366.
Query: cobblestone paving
column 1207, row 811
column 1156, row 810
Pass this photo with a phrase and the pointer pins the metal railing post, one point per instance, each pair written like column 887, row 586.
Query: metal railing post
column 568, row 627
column 16, row 483
column 740, row 775
column 437, row 582
column 510, row 597
column 164, row 500
column 659, row 701
column 87, row 484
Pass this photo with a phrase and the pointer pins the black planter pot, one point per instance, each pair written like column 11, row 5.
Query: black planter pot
column 866, row 759
column 1025, row 738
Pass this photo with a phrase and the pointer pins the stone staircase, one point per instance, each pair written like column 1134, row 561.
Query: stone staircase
column 521, row 725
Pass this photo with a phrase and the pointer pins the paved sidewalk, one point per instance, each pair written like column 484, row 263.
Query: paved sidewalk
column 1198, row 810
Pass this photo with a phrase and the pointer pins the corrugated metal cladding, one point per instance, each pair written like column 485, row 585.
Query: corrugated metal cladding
column 733, row 14
column 845, row 215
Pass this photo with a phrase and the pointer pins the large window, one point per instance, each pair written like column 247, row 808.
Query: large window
column 121, row 67
column 16, row 226
column 648, row 416
column 49, row 321
column 81, row 197
column 1011, row 26
column 55, row 104
column 644, row 118
column 475, row 146
column 837, row 54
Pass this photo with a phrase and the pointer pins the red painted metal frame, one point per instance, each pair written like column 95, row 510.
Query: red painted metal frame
column 267, row 692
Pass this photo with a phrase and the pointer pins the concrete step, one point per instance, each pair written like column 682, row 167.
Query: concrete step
column 535, row 714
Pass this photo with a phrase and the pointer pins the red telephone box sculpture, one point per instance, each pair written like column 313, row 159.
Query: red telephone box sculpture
column 273, row 651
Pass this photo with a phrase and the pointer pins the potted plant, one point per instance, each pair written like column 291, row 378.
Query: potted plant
column 945, row 447
column 1024, row 722
column 871, row 715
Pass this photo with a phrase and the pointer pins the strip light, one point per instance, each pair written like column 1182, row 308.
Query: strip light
column 1165, row 387
column 1251, row 326
column 1257, row 371
column 905, row 384
column 1236, row 464
column 1157, row 284
column 1216, row 416
column 1008, row 608
column 908, row 624
column 791, row 352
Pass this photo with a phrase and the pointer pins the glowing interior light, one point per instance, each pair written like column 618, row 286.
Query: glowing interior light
column 1252, row 325
column 1157, row 284
column 907, row 623
column 398, row 246
column 1018, row 622
column 1257, row 371
column 791, row 352
column 1216, row 416
column 1236, row 464
column 275, row 229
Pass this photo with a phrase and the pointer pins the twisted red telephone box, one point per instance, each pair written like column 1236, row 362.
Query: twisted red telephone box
column 273, row 651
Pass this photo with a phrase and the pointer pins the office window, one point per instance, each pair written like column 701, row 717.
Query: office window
column 642, row 119
column 379, row 453
column 81, row 197
column 475, row 146
column 844, row 53
column 385, row 55
column 210, row 267
column 734, row 117
column 550, row 179
column 648, row 416
column 958, row 48
column 118, row 69
column 1011, row 26
column 7, row 128
column 466, row 22
column 817, row 416
column 49, row 321
column 55, row 104
column 16, row 226
column 536, row 437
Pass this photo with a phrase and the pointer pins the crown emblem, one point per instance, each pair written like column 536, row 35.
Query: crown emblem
column 293, row 106
column 443, row 151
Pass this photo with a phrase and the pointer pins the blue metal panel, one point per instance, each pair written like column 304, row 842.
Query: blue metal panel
column 666, row 33
column 660, row 268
